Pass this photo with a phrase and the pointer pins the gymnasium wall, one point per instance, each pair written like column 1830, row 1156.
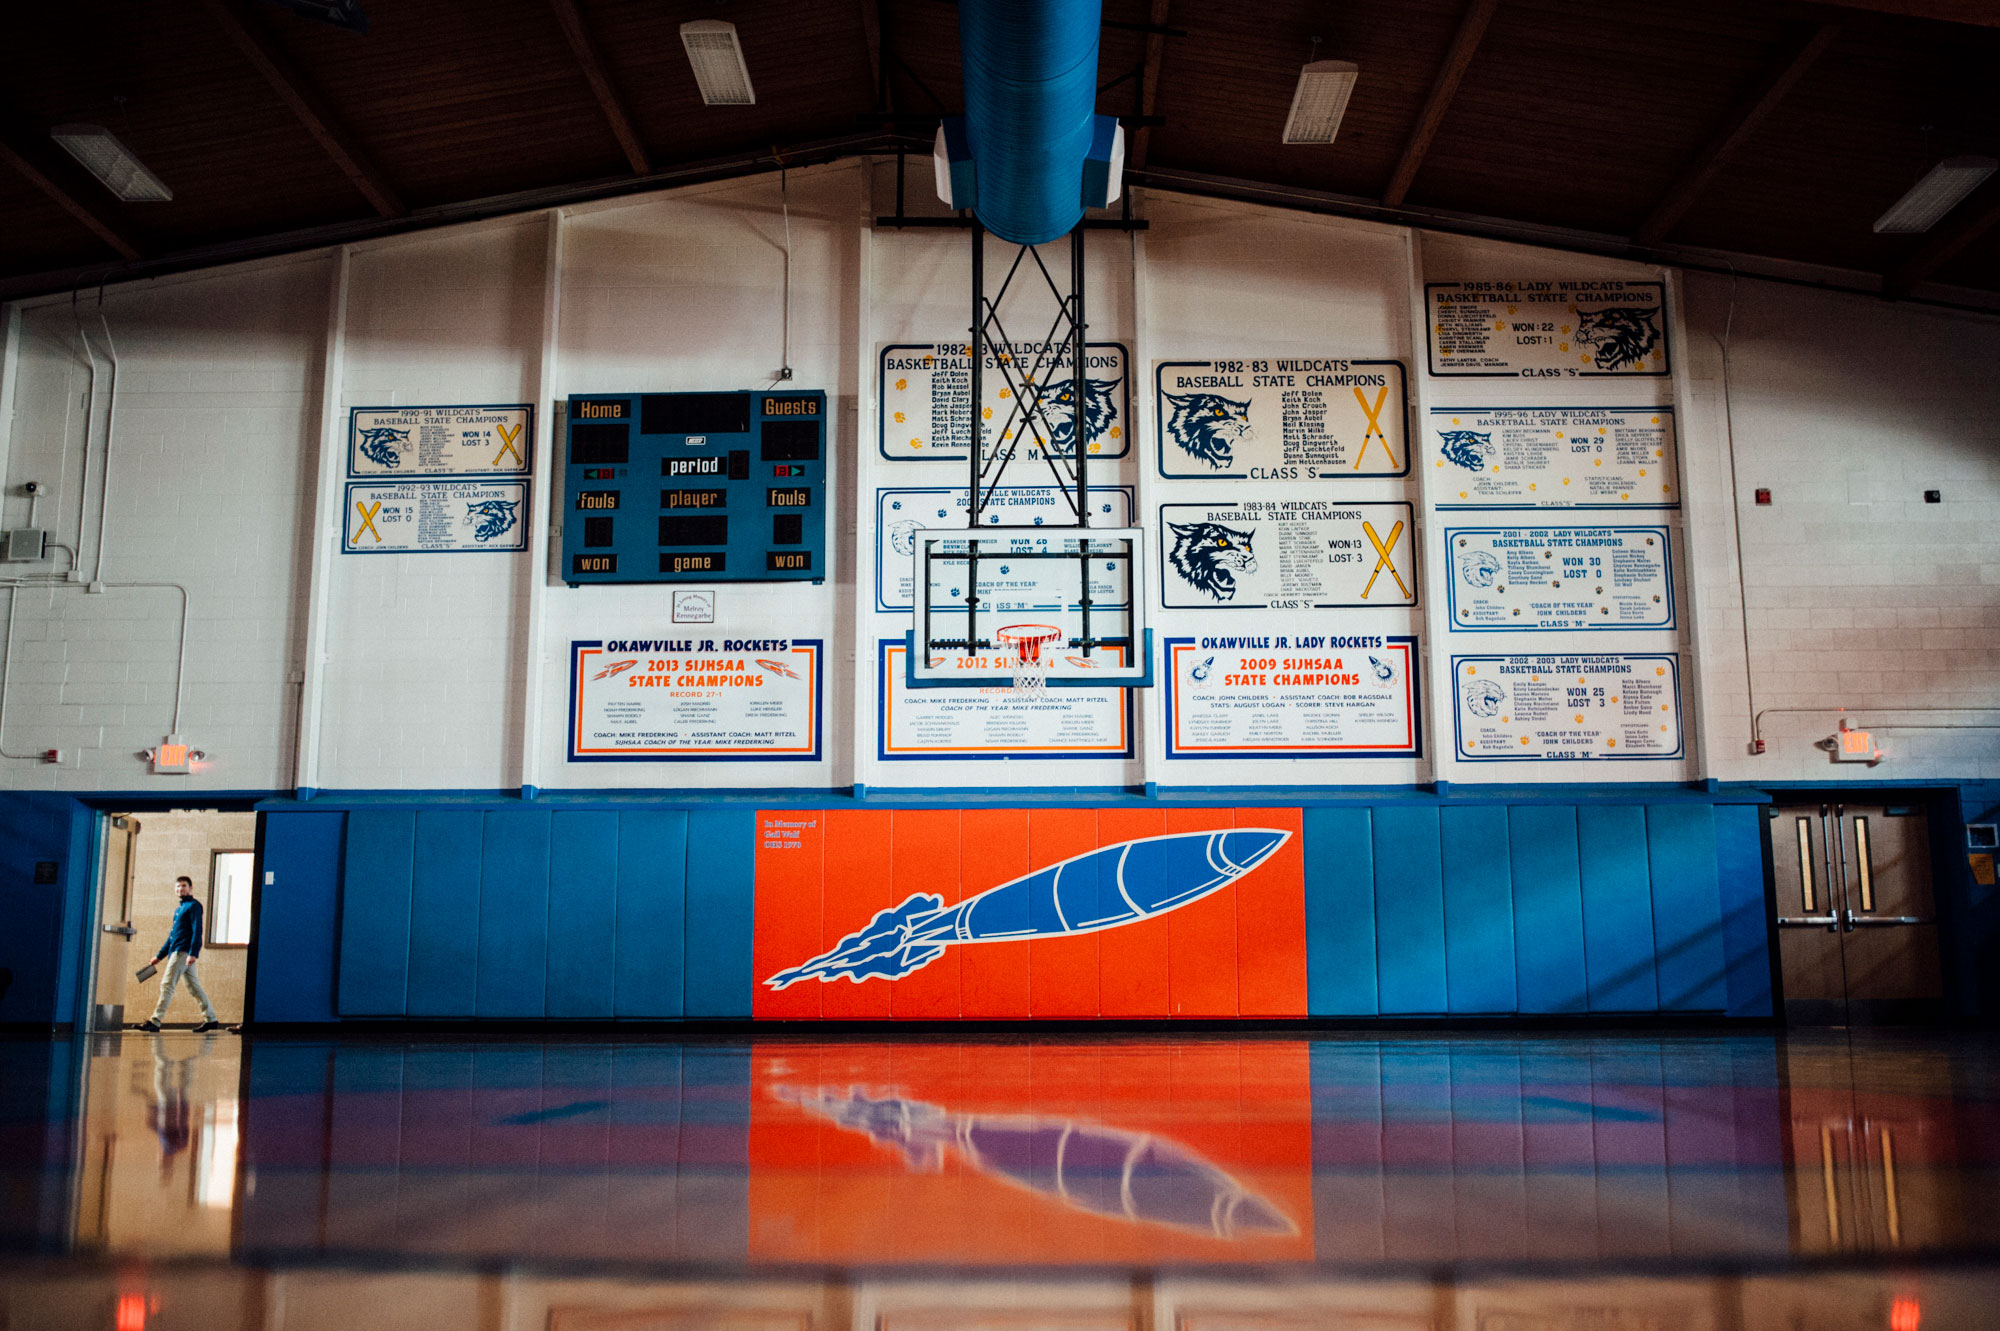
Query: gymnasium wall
column 441, row 682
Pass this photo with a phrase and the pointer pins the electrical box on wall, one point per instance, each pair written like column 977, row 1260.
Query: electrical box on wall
column 695, row 487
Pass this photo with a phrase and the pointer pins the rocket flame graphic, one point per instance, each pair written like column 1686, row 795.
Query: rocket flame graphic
column 778, row 668
column 615, row 668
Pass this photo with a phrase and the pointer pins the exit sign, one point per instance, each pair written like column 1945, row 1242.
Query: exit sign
column 1855, row 746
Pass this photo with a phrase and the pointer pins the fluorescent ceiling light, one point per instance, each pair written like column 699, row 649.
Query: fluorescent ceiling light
column 111, row 162
column 1940, row 191
column 1320, row 101
column 717, row 58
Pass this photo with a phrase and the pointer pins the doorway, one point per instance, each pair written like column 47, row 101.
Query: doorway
column 1856, row 914
column 142, row 856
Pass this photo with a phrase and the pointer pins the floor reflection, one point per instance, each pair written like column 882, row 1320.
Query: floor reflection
column 1369, row 1157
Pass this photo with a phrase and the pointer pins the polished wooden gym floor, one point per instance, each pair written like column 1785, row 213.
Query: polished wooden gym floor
column 1207, row 1183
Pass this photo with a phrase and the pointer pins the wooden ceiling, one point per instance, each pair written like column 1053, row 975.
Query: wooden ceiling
column 1766, row 135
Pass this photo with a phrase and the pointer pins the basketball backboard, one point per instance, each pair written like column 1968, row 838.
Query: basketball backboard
column 981, row 589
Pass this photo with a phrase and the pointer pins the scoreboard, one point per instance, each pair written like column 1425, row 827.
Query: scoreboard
column 695, row 487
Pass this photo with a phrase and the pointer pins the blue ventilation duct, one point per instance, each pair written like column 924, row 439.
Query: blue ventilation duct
column 1030, row 154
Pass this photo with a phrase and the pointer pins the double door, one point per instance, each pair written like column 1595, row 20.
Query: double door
column 1857, row 932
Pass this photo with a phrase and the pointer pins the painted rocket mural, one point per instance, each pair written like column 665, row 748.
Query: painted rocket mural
column 1105, row 888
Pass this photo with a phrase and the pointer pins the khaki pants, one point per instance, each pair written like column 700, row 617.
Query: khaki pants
column 177, row 968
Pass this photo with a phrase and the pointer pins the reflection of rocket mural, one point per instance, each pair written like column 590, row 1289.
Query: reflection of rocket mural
column 1103, row 889
column 1131, row 1176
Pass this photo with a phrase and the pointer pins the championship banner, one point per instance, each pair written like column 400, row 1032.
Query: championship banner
column 987, row 724
column 1547, row 330
column 1554, row 457
column 440, row 441
column 695, row 700
column 1287, row 554
column 1293, row 696
column 901, row 513
column 1282, row 419
column 1535, row 708
column 923, row 392
column 434, row 517
column 1545, row 578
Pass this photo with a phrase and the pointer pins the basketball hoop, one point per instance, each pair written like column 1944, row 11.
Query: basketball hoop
column 1024, row 643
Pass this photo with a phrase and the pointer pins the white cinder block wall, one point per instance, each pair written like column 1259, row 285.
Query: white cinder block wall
column 1846, row 407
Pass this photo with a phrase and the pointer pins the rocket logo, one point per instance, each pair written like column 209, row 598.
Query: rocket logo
column 1105, row 888
column 615, row 668
column 778, row 668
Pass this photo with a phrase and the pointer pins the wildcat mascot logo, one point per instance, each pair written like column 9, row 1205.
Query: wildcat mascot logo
column 1058, row 412
column 1467, row 448
column 379, row 444
column 1209, row 426
column 491, row 517
column 1622, row 334
column 1210, row 556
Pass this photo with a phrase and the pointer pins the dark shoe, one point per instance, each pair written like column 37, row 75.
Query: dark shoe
column 152, row 1027
column 208, row 1026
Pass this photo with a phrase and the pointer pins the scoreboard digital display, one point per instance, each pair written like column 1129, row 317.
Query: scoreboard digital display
column 695, row 487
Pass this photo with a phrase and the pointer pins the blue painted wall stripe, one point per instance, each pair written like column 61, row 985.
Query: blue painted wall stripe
column 1687, row 913
column 1409, row 911
column 1478, row 908
column 1340, row 913
column 1617, row 907
column 514, row 914
column 721, row 869
column 375, row 913
column 297, row 910
column 1739, row 863
column 1548, row 908
column 583, row 881
column 444, row 913
column 651, row 914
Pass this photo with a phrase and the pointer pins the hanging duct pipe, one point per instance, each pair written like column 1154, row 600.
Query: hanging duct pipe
column 1029, row 154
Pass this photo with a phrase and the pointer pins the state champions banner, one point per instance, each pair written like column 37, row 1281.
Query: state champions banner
column 1554, row 457
column 1539, row 579
column 1287, row 554
column 1281, row 418
column 1547, row 329
column 1609, row 707
column 403, row 442
column 1294, row 695
column 923, row 395
column 695, row 699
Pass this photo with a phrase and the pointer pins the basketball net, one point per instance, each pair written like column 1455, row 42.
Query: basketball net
column 1024, row 643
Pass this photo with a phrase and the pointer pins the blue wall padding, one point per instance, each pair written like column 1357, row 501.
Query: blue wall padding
column 1617, row 907
column 1030, row 95
column 1478, row 908
column 721, row 880
column 296, row 915
column 651, row 964
column 42, row 935
column 514, row 914
column 1409, row 909
column 444, row 913
column 1548, row 908
column 583, row 912
column 1687, row 913
column 1739, row 865
column 375, row 913
column 1340, row 913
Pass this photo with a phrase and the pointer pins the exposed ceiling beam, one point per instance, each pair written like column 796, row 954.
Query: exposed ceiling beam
column 600, row 85
column 19, row 150
column 305, row 103
column 1156, row 51
column 871, row 32
column 1981, row 13
column 1744, row 117
column 1982, row 214
column 1464, row 45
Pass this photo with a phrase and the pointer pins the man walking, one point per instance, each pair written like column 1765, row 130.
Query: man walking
column 180, row 951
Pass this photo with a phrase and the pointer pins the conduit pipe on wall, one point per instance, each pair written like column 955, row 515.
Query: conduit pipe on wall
column 104, row 484
column 14, row 588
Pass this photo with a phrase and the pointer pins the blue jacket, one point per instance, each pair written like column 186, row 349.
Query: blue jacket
column 185, row 935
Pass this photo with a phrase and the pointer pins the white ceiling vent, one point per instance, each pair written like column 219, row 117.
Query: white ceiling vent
column 717, row 58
